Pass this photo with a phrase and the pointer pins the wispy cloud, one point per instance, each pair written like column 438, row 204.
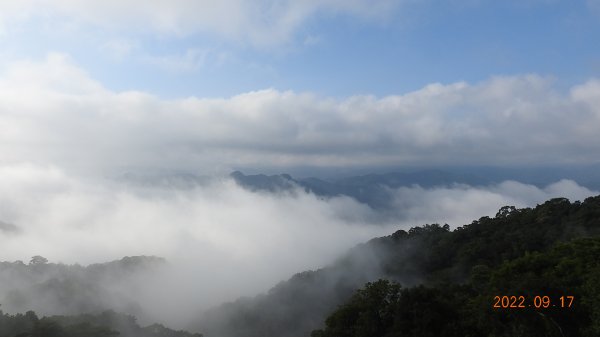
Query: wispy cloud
column 259, row 23
column 190, row 61
column 119, row 48
column 594, row 5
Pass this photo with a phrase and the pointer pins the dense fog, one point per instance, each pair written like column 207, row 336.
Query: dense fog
column 220, row 240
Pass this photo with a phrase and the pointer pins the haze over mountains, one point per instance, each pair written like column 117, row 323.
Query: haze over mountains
column 225, row 237
column 376, row 190
column 430, row 255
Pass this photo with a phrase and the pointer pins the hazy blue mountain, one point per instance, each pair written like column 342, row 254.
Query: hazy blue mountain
column 8, row 228
column 261, row 182
column 372, row 189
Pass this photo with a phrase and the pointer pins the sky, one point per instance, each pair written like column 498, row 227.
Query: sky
column 334, row 48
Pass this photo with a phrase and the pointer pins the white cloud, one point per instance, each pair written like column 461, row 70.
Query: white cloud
column 460, row 204
column 119, row 48
column 260, row 23
column 56, row 75
column 594, row 5
column 12, row 13
column 312, row 40
column 190, row 61
column 52, row 112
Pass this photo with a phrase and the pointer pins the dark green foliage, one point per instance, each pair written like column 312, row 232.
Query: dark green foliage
column 29, row 325
column 438, row 254
column 552, row 250
column 383, row 309
column 369, row 312
column 569, row 269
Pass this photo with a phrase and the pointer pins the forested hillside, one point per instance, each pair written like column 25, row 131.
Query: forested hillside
column 57, row 288
column 105, row 324
column 442, row 282
column 83, row 294
column 554, row 293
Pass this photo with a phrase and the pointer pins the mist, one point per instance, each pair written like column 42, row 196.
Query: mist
column 220, row 240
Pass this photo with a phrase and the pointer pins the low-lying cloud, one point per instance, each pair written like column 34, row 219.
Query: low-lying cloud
column 236, row 242
column 222, row 241
column 459, row 204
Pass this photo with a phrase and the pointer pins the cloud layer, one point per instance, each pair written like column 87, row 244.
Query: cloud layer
column 222, row 241
column 53, row 113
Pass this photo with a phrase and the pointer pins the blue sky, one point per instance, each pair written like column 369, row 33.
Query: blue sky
column 333, row 50
column 218, row 85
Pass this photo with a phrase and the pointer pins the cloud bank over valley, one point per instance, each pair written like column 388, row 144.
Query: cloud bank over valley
column 221, row 240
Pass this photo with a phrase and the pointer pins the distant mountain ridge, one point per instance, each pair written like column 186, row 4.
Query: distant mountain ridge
column 375, row 189
column 370, row 189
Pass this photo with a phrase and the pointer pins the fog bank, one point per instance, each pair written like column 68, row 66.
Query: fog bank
column 221, row 240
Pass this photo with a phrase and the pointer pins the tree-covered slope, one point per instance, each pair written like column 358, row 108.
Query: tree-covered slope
column 551, row 293
column 55, row 288
column 427, row 261
column 105, row 324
